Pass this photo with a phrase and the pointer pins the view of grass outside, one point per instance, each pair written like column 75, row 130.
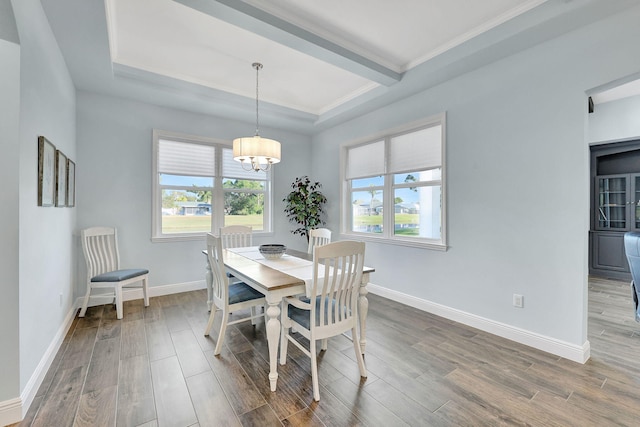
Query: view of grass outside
column 202, row 223
column 373, row 223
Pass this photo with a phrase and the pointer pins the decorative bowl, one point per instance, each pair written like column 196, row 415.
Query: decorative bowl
column 272, row 251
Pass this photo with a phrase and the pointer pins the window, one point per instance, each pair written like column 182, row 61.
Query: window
column 198, row 187
column 393, row 186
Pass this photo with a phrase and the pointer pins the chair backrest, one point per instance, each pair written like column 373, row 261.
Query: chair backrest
column 100, row 248
column 317, row 237
column 337, row 273
column 220, row 281
column 236, row 236
column 632, row 250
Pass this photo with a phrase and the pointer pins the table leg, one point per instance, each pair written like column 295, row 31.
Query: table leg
column 273, row 338
column 208, row 275
column 363, row 308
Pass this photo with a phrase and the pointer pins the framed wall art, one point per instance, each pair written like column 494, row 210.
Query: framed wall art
column 71, row 183
column 46, row 172
column 61, row 179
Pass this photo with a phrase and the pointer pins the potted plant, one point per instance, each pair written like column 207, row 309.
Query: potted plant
column 304, row 205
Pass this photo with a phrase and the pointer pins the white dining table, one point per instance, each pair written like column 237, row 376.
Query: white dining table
column 289, row 275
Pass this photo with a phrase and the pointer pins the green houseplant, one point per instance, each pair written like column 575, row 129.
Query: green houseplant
column 304, row 205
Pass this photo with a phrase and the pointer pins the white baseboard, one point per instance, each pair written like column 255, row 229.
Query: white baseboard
column 14, row 410
column 10, row 411
column 154, row 291
column 560, row 348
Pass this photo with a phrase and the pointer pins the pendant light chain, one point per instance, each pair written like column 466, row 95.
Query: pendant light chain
column 257, row 66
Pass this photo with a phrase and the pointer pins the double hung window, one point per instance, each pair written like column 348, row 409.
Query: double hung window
column 198, row 187
column 393, row 186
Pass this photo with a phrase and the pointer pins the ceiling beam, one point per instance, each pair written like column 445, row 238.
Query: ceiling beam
column 251, row 18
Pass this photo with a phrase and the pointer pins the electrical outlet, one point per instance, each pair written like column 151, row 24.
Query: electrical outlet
column 518, row 300
column 60, row 299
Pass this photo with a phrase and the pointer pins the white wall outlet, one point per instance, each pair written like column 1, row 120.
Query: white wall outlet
column 60, row 299
column 518, row 300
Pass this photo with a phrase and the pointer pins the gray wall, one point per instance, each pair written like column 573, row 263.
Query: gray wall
column 114, row 181
column 615, row 120
column 518, row 182
column 10, row 145
column 46, row 255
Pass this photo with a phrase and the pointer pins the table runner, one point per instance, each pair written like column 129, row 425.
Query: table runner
column 291, row 265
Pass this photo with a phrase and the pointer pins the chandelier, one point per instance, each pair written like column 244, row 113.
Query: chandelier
column 256, row 152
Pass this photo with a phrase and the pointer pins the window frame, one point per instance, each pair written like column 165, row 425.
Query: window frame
column 217, row 191
column 388, row 234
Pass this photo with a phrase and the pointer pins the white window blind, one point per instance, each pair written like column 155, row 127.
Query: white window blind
column 419, row 150
column 233, row 169
column 365, row 160
column 185, row 158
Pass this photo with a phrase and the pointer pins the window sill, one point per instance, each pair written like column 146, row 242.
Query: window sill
column 197, row 237
column 396, row 242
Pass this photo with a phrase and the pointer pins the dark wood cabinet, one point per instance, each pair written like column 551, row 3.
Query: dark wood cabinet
column 615, row 185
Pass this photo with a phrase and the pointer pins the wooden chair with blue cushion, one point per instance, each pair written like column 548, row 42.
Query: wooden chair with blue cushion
column 632, row 250
column 227, row 297
column 236, row 236
column 332, row 308
column 100, row 248
column 317, row 237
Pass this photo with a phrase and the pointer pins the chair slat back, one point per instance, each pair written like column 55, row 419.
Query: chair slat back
column 337, row 273
column 100, row 248
column 220, row 281
column 318, row 237
column 236, row 236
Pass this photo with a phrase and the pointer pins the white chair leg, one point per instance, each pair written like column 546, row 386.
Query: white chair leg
column 359, row 358
column 324, row 345
column 85, row 303
column 145, row 291
column 223, row 330
column 118, row 290
column 211, row 320
column 314, row 370
column 253, row 315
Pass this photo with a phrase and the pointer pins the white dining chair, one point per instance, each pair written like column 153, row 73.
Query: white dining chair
column 100, row 248
column 332, row 308
column 236, row 236
column 228, row 297
column 317, row 237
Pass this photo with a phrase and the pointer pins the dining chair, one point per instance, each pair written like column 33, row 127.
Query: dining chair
column 317, row 237
column 228, row 297
column 332, row 308
column 236, row 236
column 632, row 251
column 100, row 248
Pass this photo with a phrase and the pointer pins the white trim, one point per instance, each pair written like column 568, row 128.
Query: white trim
column 560, row 348
column 30, row 390
column 154, row 291
column 10, row 411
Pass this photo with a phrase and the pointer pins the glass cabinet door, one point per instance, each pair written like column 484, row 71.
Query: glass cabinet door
column 635, row 201
column 612, row 202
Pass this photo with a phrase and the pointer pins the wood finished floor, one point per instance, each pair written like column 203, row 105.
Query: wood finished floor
column 155, row 368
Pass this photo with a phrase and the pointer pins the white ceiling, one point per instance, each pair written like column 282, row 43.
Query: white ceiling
column 203, row 45
column 324, row 61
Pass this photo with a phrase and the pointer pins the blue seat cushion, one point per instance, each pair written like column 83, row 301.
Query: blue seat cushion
column 119, row 275
column 303, row 317
column 241, row 292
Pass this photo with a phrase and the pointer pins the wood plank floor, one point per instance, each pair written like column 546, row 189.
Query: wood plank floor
column 155, row 368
